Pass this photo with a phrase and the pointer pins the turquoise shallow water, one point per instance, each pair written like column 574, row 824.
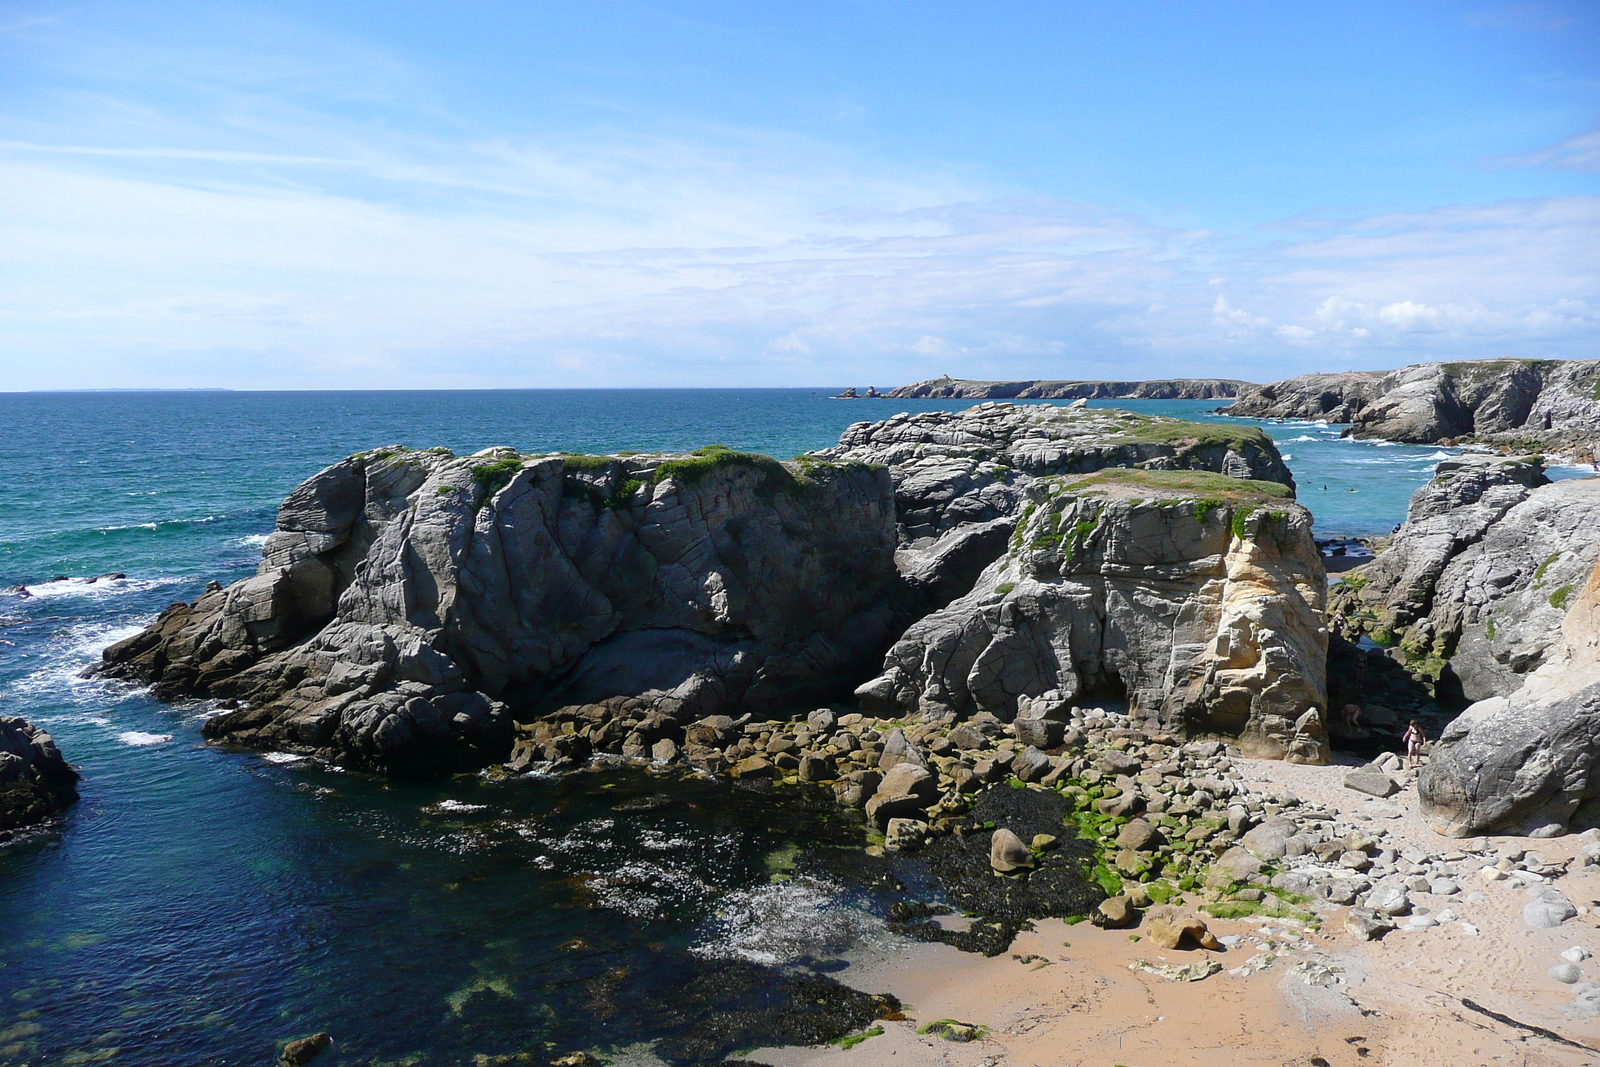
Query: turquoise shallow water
column 202, row 903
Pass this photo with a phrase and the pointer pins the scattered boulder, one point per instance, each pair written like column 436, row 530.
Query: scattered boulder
column 1371, row 781
column 1115, row 913
column 1367, row 923
column 1007, row 853
column 1548, row 909
column 1167, row 927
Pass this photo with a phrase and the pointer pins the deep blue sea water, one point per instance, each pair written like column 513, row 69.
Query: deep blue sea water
column 200, row 903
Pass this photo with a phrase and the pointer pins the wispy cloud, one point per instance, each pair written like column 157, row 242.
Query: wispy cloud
column 1579, row 152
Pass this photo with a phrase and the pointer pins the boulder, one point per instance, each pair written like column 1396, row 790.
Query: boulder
column 1139, row 836
column 36, row 782
column 1389, row 898
column 1525, row 763
column 1371, row 781
column 1167, row 928
column 905, row 835
column 1367, row 924
column 1114, row 913
column 1270, row 840
column 303, row 1050
column 1548, row 909
column 1008, row 854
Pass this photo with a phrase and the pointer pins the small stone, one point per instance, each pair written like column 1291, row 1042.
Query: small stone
column 1566, row 973
column 1576, row 954
column 1444, row 887
column 815, row 768
column 664, row 750
column 1469, row 929
column 1355, row 861
column 1007, row 853
column 1041, row 842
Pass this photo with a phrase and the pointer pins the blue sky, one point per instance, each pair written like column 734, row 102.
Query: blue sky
column 299, row 195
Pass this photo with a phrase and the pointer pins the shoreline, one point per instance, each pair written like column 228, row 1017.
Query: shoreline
column 1064, row 996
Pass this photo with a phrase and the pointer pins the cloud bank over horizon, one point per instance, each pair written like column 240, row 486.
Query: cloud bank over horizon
column 271, row 207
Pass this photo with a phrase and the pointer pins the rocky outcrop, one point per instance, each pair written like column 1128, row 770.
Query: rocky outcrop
column 408, row 602
column 955, row 469
column 971, row 389
column 411, row 605
column 1527, row 763
column 36, row 783
column 1473, row 588
column 1512, row 402
column 1198, row 596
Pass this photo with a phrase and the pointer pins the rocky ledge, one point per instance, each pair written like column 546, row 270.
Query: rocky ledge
column 1516, row 403
column 36, row 783
column 947, row 388
column 411, row 605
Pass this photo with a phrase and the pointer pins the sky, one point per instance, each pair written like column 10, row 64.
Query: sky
column 295, row 195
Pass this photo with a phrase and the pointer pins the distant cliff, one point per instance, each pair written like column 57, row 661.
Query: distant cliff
column 1515, row 402
column 970, row 389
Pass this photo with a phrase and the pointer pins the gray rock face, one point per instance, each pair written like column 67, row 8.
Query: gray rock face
column 36, row 783
column 1526, row 763
column 1507, row 401
column 404, row 596
column 951, row 469
column 1481, row 574
column 970, row 389
column 1206, row 610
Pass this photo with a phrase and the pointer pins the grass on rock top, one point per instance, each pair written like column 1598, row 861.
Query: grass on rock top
column 1202, row 485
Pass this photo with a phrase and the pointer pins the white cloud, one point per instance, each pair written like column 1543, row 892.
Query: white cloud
column 1580, row 152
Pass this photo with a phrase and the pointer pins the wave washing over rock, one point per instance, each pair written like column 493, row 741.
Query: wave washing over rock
column 410, row 605
column 1514, row 402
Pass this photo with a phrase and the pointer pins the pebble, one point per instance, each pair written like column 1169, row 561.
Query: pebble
column 1566, row 973
column 1576, row 954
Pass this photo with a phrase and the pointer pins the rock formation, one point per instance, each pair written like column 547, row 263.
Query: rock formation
column 1474, row 586
column 1513, row 402
column 406, row 596
column 971, row 389
column 410, row 605
column 1527, row 763
column 36, row 783
column 1198, row 596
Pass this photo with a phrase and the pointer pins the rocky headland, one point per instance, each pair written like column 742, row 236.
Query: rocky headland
column 36, row 782
column 412, row 608
column 1512, row 403
column 947, row 388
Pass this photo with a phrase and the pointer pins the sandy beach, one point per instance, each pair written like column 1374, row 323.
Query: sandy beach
column 1066, row 996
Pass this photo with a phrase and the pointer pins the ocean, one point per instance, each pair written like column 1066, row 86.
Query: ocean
column 201, row 904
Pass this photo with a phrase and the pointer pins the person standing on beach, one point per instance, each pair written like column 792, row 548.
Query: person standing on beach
column 1414, row 739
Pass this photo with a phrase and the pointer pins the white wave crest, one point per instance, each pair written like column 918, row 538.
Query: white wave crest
column 140, row 739
column 97, row 587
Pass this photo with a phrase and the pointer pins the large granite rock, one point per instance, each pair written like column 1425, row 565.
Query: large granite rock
column 972, row 389
column 1199, row 596
column 36, row 782
column 407, row 600
column 1507, row 401
column 1527, row 763
column 1477, row 581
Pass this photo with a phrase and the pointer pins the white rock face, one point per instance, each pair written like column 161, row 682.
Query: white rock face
column 1207, row 612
